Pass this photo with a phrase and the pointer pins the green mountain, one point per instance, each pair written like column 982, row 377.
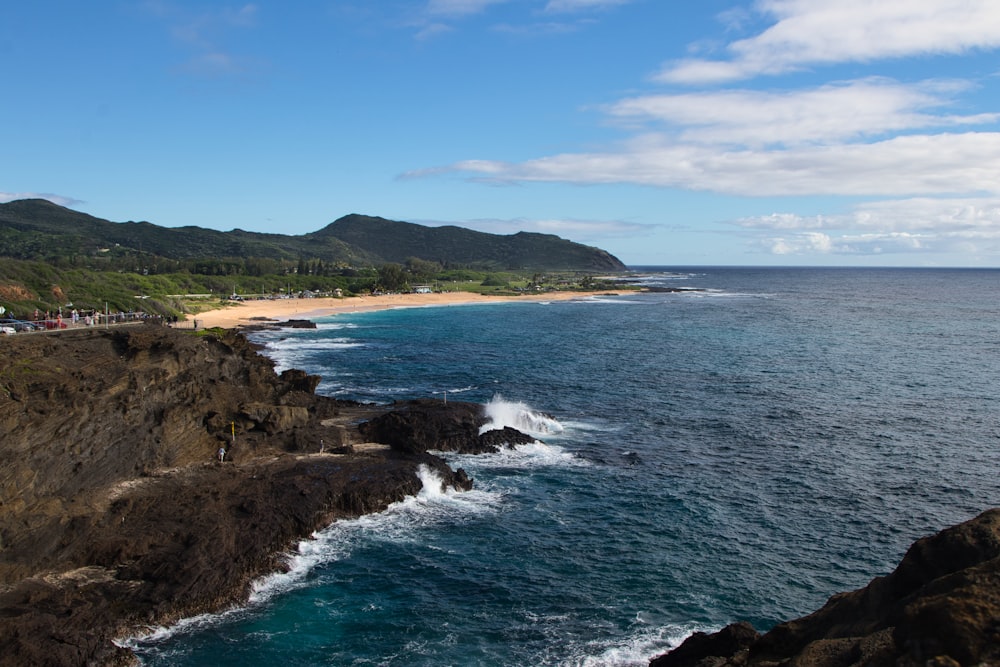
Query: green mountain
column 40, row 230
column 35, row 229
column 398, row 241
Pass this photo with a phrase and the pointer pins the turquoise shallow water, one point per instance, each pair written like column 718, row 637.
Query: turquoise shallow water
column 742, row 451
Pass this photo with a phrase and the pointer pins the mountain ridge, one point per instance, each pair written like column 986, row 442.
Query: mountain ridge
column 39, row 229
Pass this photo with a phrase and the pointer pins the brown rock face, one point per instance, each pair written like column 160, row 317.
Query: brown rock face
column 114, row 509
column 940, row 606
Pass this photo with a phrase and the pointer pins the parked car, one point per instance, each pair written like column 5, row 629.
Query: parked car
column 17, row 325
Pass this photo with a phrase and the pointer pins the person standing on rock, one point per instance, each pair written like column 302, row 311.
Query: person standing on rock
column 222, row 454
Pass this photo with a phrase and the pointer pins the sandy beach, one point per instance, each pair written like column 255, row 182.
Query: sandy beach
column 245, row 313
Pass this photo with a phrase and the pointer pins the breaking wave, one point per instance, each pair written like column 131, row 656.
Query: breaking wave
column 501, row 412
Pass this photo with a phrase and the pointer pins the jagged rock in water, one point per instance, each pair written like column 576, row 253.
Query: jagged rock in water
column 701, row 649
column 422, row 425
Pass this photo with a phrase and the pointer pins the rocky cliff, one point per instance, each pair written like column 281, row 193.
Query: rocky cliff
column 940, row 607
column 115, row 511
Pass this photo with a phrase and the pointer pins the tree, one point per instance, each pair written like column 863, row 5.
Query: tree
column 392, row 278
column 422, row 270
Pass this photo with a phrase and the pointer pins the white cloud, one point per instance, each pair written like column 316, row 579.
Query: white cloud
column 469, row 7
column 913, row 215
column 809, row 32
column 922, row 224
column 201, row 28
column 580, row 230
column 202, row 31
column 540, row 29
column 435, row 11
column 213, row 64
column 965, row 163
column 848, row 110
column 816, row 243
column 588, row 229
column 784, row 221
column 906, row 142
column 809, row 242
column 924, row 213
column 459, row 7
column 580, row 5
column 784, row 143
column 432, row 30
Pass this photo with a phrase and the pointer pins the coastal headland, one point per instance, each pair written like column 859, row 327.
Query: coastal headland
column 151, row 474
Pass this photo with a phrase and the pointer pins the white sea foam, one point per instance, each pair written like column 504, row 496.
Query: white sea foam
column 456, row 390
column 633, row 650
column 501, row 413
column 154, row 634
column 402, row 520
column 722, row 294
column 606, row 300
column 523, row 457
column 290, row 348
column 656, row 278
column 293, row 345
column 574, row 426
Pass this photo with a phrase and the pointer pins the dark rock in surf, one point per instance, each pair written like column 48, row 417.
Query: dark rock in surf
column 940, row 606
column 704, row 649
column 421, row 425
column 501, row 438
column 298, row 324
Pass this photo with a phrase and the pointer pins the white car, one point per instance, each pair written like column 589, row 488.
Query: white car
column 8, row 331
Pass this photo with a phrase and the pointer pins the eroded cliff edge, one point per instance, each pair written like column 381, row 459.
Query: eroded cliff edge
column 115, row 512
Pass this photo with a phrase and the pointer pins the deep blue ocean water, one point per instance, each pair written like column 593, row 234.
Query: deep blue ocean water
column 742, row 451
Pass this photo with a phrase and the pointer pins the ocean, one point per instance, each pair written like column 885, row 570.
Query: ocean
column 740, row 450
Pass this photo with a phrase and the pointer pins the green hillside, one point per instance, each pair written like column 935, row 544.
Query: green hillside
column 51, row 256
column 398, row 241
column 38, row 229
column 35, row 229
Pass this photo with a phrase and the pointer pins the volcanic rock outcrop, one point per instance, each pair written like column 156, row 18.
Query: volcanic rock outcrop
column 420, row 425
column 115, row 510
column 941, row 607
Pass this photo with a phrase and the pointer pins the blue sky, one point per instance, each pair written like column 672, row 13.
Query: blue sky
column 788, row 132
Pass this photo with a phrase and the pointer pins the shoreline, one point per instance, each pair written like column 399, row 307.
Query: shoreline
column 248, row 313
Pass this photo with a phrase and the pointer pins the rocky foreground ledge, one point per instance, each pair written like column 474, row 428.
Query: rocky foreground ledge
column 115, row 511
